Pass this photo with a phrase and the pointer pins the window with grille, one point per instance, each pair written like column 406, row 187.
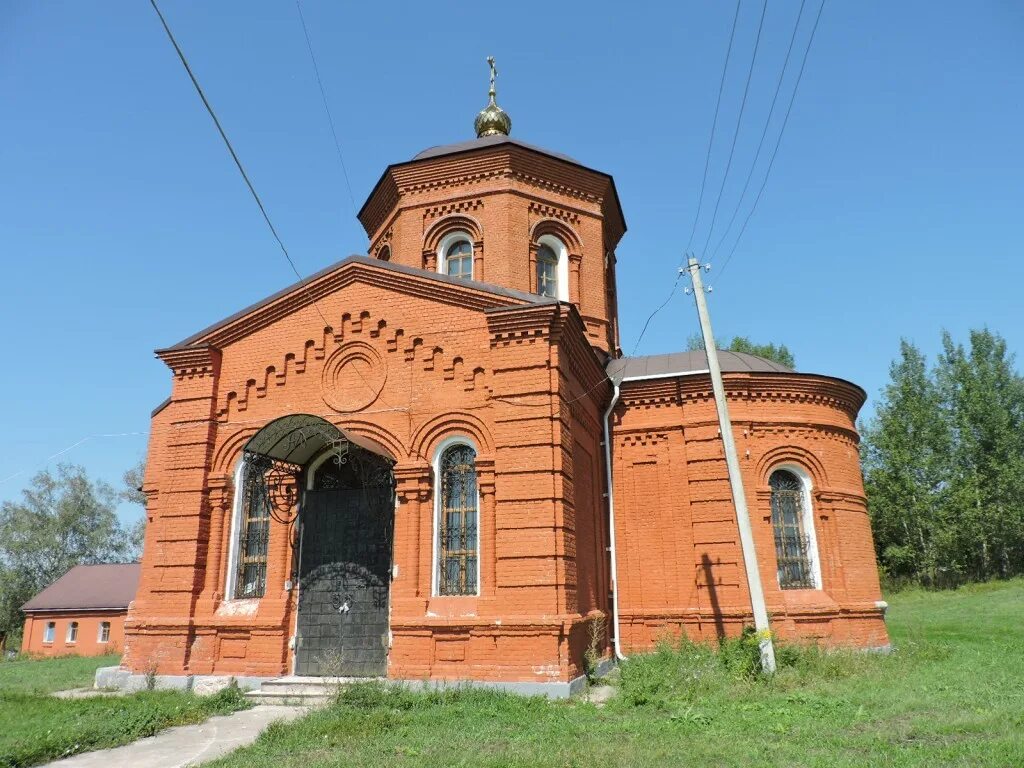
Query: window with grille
column 547, row 272
column 254, row 532
column 72, row 635
column 793, row 542
column 457, row 517
column 104, row 633
column 458, row 260
column 49, row 631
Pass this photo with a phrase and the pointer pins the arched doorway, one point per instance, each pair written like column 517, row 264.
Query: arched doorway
column 338, row 489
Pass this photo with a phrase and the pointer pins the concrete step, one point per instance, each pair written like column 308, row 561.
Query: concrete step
column 284, row 698
column 303, row 691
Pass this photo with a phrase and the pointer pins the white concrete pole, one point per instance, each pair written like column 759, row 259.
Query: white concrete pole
column 739, row 499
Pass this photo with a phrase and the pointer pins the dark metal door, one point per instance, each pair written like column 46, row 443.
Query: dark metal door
column 344, row 579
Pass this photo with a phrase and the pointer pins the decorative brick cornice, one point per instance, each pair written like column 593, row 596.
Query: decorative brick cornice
column 548, row 211
column 517, row 164
column 192, row 362
column 355, row 269
column 448, row 208
column 750, row 386
column 518, row 325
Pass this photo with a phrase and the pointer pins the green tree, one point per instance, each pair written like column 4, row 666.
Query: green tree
column 63, row 520
column 133, row 478
column 944, row 464
column 905, row 453
column 983, row 398
column 779, row 354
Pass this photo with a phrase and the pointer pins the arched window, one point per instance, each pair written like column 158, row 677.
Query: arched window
column 552, row 268
column 72, row 635
column 248, row 567
column 456, row 506
column 547, row 271
column 458, row 259
column 793, row 526
column 384, row 254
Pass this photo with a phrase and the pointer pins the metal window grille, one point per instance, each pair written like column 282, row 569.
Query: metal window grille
column 254, row 532
column 547, row 272
column 792, row 542
column 459, row 260
column 457, row 564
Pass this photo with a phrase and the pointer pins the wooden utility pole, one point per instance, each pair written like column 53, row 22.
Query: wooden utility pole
column 739, row 499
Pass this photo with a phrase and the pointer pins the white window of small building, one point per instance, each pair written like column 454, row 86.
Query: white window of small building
column 72, row 635
column 552, row 274
column 796, row 549
column 49, row 631
column 104, row 634
column 455, row 256
column 456, row 510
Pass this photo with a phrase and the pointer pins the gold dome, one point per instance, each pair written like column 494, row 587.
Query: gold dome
column 492, row 119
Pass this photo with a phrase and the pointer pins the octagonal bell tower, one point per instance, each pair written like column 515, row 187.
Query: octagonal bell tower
column 497, row 210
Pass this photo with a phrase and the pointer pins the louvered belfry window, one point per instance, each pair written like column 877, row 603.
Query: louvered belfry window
column 457, row 537
column 792, row 541
column 254, row 533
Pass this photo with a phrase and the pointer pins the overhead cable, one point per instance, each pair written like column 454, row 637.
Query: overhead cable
column 778, row 141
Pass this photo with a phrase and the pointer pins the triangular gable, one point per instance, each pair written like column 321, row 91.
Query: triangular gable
column 395, row 277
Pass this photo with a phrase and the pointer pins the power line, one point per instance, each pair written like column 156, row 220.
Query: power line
column 227, row 142
column 704, row 177
column 663, row 304
column 327, row 109
column 241, row 169
column 739, row 122
column 714, row 124
column 764, row 133
column 775, row 151
column 71, row 447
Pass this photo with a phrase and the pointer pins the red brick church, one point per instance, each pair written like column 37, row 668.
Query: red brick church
column 434, row 463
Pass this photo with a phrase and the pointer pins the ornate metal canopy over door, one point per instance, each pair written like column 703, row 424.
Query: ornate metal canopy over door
column 345, row 567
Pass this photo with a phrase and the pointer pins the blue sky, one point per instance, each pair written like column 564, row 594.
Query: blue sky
column 894, row 207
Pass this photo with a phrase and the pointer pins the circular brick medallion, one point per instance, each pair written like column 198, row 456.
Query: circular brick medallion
column 353, row 377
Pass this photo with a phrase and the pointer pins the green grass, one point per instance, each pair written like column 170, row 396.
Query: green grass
column 951, row 694
column 58, row 674
column 36, row 727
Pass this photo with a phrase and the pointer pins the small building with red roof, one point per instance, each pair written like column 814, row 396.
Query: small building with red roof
column 82, row 613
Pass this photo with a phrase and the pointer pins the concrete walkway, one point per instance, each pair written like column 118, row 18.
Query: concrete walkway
column 187, row 745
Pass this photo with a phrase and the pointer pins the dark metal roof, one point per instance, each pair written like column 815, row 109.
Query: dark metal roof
column 488, row 141
column 299, row 437
column 680, row 363
column 377, row 263
column 89, row 588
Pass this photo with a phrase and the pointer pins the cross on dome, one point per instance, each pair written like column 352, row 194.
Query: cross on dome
column 492, row 119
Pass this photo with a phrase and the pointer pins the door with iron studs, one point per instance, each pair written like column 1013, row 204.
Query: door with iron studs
column 344, row 582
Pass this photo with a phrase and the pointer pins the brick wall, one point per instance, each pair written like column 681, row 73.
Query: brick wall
column 680, row 564
column 408, row 360
column 87, row 643
column 506, row 197
column 518, row 381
